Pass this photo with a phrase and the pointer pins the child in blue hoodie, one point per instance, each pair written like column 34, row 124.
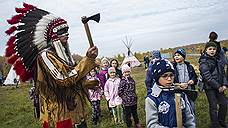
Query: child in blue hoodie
column 160, row 103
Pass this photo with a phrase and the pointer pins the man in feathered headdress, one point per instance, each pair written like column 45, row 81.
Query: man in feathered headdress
column 39, row 50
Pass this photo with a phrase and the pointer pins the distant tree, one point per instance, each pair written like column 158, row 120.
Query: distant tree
column 4, row 67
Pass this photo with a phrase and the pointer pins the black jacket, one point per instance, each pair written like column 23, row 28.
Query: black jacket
column 212, row 72
column 191, row 73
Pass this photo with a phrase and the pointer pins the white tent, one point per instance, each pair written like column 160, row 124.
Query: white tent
column 130, row 58
column 11, row 77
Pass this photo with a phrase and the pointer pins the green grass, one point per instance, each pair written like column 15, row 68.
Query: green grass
column 16, row 109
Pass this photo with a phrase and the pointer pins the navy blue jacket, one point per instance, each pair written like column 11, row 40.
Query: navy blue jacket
column 161, row 110
column 212, row 72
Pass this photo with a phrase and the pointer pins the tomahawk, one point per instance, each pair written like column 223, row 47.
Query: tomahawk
column 85, row 20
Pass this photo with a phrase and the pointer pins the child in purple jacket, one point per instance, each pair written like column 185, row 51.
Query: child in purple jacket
column 128, row 95
column 103, row 75
column 95, row 96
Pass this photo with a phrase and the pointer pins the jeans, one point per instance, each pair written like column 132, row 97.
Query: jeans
column 217, row 115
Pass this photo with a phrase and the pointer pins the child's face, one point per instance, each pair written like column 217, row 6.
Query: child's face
column 92, row 72
column 114, row 64
column 105, row 64
column 211, row 51
column 97, row 69
column 126, row 73
column 178, row 58
column 166, row 79
column 112, row 74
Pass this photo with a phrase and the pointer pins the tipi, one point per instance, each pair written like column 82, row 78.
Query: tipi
column 130, row 58
column 12, row 78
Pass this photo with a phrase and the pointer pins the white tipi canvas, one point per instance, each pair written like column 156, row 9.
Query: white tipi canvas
column 11, row 77
column 130, row 58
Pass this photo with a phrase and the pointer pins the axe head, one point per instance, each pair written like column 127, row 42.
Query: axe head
column 95, row 17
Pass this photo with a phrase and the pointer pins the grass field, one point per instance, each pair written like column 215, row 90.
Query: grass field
column 16, row 109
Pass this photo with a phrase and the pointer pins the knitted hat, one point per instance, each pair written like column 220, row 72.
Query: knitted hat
column 156, row 54
column 111, row 69
column 182, row 52
column 160, row 67
column 125, row 68
column 210, row 44
column 104, row 59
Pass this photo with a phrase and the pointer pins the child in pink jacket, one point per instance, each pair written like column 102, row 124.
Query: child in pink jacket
column 95, row 97
column 111, row 95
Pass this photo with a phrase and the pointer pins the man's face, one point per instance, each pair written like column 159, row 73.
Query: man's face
column 178, row 58
column 211, row 51
column 64, row 38
column 63, row 35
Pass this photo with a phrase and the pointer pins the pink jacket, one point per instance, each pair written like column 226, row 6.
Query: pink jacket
column 95, row 95
column 111, row 92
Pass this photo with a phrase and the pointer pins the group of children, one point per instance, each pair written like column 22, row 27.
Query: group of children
column 118, row 87
column 162, row 80
column 163, row 75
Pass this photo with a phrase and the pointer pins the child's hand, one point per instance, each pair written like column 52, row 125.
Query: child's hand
column 222, row 89
column 183, row 85
column 190, row 82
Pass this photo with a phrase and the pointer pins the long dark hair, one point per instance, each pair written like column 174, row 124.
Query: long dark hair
column 116, row 62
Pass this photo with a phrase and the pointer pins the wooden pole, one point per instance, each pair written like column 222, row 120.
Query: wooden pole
column 178, row 110
column 88, row 34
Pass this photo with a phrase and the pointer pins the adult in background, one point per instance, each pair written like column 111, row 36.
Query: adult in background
column 42, row 53
column 146, row 61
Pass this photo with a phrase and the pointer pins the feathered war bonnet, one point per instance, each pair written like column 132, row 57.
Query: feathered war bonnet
column 32, row 29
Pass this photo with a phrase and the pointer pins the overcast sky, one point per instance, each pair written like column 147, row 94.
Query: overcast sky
column 151, row 24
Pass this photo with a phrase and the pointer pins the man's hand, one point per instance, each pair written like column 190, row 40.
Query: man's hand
column 92, row 52
column 91, row 84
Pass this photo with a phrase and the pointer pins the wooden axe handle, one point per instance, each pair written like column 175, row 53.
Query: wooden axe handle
column 88, row 34
column 178, row 110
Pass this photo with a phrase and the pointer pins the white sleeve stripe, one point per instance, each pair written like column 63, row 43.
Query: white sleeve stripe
column 54, row 70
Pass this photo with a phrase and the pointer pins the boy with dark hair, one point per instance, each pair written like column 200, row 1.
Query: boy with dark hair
column 215, row 84
column 213, row 36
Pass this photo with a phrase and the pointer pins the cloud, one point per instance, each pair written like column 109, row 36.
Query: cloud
column 151, row 24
